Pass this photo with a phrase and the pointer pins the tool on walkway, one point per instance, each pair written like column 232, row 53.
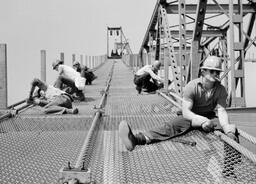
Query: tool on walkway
column 190, row 143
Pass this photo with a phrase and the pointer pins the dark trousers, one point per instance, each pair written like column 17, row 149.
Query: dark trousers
column 180, row 126
column 88, row 75
column 62, row 80
column 176, row 127
column 58, row 105
column 143, row 81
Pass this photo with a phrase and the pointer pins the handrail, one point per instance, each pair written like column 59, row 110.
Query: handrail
column 82, row 160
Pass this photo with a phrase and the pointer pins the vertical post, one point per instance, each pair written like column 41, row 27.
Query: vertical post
column 62, row 56
column 81, row 60
column 43, row 65
column 237, row 74
column 107, row 43
column 86, row 60
column 166, row 68
column 197, row 34
column 3, row 76
column 182, row 46
column 73, row 58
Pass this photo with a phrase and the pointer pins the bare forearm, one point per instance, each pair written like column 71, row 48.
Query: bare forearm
column 223, row 118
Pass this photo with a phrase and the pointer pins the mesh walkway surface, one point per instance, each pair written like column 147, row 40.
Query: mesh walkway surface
column 35, row 146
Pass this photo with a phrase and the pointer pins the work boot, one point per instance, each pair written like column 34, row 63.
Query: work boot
column 72, row 111
column 139, row 89
column 128, row 138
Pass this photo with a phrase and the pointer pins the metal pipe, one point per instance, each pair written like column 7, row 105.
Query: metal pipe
column 82, row 160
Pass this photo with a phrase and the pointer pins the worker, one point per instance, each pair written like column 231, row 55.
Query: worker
column 146, row 78
column 85, row 72
column 201, row 97
column 52, row 99
column 71, row 78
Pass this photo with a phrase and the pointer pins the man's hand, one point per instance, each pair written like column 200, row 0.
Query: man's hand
column 198, row 120
column 208, row 126
column 231, row 131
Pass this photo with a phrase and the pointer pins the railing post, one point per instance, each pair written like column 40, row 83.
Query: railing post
column 62, row 56
column 43, row 65
column 73, row 58
column 81, row 59
column 3, row 76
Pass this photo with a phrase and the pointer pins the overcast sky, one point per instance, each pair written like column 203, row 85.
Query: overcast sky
column 69, row 26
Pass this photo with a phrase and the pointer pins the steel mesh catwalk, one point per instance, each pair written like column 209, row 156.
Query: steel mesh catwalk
column 34, row 146
column 34, row 149
column 210, row 161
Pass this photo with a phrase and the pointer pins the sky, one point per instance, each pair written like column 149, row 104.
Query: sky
column 69, row 26
column 73, row 27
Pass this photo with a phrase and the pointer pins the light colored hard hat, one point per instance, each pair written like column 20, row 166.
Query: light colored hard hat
column 212, row 63
column 157, row 64
column 76, row 63
column 56, row 63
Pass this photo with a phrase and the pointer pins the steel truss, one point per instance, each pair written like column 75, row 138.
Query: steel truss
column 185, row 45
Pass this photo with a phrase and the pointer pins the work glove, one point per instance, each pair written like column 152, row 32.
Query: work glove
column 231, row 131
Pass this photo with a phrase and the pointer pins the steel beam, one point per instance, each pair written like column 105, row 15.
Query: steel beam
column 211, row 9
column 205, row 33
column 151, row 26
column 197, row 34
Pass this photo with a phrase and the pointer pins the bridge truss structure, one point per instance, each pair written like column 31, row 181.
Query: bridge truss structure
column 183, row 33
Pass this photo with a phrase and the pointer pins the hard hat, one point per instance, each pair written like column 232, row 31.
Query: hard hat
column 212, row 63
column 157, row 64
column 76, row 63
column 56, row 63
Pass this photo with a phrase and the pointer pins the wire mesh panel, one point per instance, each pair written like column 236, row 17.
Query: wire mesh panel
column 210, row 161
column 35, row 146
column 34, row 149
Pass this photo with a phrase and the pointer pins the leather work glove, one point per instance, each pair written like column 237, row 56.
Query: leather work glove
column 231, row 131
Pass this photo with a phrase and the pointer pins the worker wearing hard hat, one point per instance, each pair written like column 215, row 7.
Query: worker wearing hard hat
column 147, row 78
column 71, row 78
column 201, row 97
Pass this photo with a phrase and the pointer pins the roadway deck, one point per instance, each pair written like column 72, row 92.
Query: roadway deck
column 35, row 146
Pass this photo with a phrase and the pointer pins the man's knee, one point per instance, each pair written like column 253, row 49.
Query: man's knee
column 181, row 124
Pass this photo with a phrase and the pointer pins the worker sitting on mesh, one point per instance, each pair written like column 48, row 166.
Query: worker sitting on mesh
column 147, row 78
column 52, row 99
column 200, row 98
column 85, row 72
column 71, row 78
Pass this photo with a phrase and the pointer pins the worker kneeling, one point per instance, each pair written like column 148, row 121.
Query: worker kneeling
column 146, row 78
column 52, row 99
column 200, row 98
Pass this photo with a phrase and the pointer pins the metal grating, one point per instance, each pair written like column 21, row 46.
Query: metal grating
column 34, row 146
column 210, row 161
column 168, row 161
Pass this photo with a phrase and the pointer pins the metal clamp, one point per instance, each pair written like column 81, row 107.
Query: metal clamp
column 75, row 175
